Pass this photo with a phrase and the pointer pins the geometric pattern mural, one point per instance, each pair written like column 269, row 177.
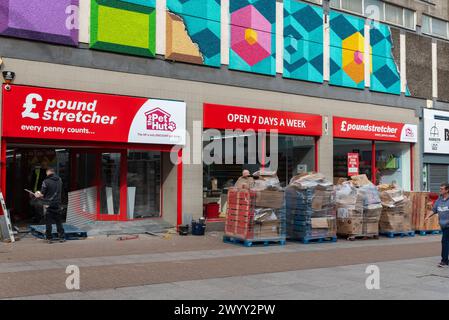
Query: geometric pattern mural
column 124, row 26
column 303, row 41
column 53, row 21
column 385, row 75
column 347, row 50
column 193, row 31
column 253, row 36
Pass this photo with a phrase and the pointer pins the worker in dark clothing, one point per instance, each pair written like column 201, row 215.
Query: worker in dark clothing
column 441, row 208
column 51, row 194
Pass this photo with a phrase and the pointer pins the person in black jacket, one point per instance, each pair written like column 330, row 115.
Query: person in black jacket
column 51, row 194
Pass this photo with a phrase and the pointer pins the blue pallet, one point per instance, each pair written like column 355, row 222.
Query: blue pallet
column 398, row 234
column 250, row 243
column 308, row 240
column 71, row 232
column 428, row 232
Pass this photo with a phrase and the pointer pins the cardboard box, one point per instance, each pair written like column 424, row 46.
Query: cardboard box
column 267, row 229
column 371, row 228
column 270, row 199
column 375, row 212
column 322, row 198
column 320, row 223
column 344, row 212
column 350, row 226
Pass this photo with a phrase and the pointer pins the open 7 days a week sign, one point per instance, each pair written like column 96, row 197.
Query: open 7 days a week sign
column 41, row 113
column 241, row 118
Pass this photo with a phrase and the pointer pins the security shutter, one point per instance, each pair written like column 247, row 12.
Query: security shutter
column 438, row 173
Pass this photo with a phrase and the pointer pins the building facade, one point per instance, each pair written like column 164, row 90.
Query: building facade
column 331, row 80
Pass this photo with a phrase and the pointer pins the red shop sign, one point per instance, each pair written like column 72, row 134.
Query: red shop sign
column 42, row 113
column 228, row 117
column 353, row 164
column 350, row 128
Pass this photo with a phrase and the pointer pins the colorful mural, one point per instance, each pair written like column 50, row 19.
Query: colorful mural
column 124, row 26
column 385, row 75
column 303, row 41
column 347, row 50
column 253, row 36
column 193, row 31
column 55, row 21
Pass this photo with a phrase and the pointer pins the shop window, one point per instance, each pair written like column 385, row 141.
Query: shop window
column 144, row 184
column 392, row 161
column 393, row 164
column 294, row 154
column 86, row 171
column 342, row 147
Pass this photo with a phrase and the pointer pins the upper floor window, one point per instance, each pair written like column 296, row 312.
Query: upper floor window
column 379, row 11
column 435, row 27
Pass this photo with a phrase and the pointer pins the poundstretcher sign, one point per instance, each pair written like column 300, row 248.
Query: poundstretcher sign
column 41, row 113
column 350, row 128
column 239, row 118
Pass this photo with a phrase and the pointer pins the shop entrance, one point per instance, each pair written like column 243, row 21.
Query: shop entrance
column 126, row 183
column 383, row 151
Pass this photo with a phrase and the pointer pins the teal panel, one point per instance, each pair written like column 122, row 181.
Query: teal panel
column 303, row 41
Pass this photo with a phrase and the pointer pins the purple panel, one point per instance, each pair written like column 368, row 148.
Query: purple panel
column 4, row 4
column 44, row 20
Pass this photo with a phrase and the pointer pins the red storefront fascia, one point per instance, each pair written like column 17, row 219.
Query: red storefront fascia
column 44, row 116
column 362, row 129
column 224, row 117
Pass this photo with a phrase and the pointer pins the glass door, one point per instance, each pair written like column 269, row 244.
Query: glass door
column 103, row 170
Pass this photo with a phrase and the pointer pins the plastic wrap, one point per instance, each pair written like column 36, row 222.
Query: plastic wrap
column 358, row 209
column 246, row 221
column 310, row 208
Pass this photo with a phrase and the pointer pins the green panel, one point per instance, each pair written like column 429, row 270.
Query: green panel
column 128, row 28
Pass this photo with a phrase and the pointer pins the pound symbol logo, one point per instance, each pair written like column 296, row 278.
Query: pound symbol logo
column 29, row 106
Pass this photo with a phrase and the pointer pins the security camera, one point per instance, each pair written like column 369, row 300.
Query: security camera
column 8, row 87
column 8, row 76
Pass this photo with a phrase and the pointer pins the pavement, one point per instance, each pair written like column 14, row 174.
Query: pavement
column 201, row 268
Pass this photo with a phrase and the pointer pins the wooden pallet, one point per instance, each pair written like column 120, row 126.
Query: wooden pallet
column 398, row 234
column 428, row 232
column 252, row 242
column 360, row 237
column 309, row 240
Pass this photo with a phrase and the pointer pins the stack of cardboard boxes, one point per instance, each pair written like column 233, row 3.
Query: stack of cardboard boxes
column 256, row 209
column 310, row 208
column 349, row 210
column 358, row 208
column 396, row 212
